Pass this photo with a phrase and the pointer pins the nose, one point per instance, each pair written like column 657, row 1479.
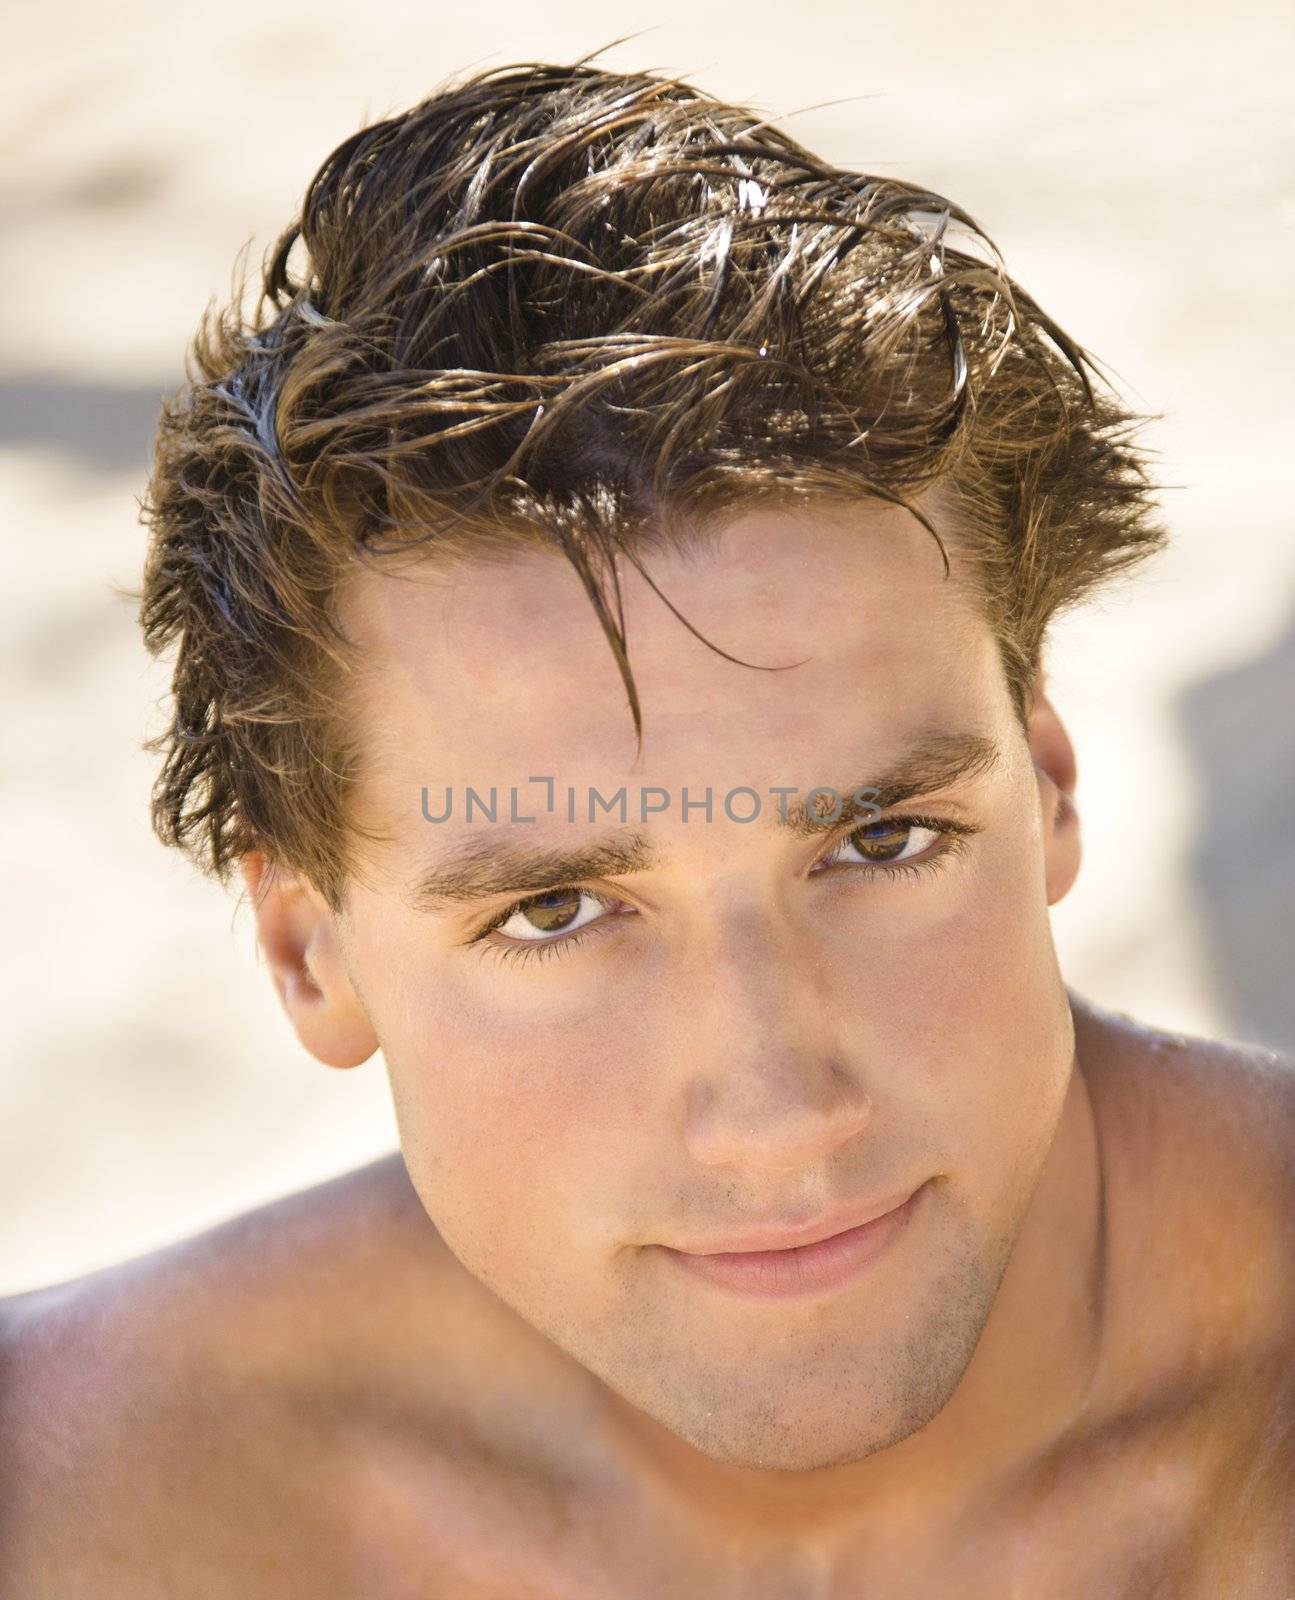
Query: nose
column 767, row 1085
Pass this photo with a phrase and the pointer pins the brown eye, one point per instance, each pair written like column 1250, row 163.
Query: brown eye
column 883, row 841
column 541, row 917
column 553, row 912
column 894, row 839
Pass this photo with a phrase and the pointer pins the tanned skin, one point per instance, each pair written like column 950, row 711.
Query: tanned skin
column 475, row 1370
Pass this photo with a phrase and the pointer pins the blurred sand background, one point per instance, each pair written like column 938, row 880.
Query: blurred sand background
column 1132, row 160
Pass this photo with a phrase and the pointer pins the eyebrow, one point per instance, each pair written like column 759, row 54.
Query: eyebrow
column 482, row 868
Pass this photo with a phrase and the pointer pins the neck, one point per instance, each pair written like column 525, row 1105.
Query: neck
column 1026, row 1388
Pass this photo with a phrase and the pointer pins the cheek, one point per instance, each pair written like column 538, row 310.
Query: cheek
column 515, row 1119
column 958, row 1009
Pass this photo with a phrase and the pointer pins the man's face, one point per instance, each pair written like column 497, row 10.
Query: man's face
column 757, row 1027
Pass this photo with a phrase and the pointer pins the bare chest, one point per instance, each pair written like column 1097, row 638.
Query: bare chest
column 286, row 1517
column 1146, row 1529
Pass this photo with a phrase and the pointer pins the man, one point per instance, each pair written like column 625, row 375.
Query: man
column 770, row 1218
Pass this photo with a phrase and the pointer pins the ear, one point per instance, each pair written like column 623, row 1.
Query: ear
column 299, row 935
column 1054, row 764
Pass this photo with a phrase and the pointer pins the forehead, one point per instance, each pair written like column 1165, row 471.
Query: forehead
column 491, row 672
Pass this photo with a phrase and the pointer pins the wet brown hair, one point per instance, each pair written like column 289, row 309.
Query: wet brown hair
column 593, row 310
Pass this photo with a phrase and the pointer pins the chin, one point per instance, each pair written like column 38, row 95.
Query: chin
column 801, row 1406
column 829, row 1418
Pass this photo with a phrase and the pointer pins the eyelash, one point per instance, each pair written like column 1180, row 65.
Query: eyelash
column 954, row 836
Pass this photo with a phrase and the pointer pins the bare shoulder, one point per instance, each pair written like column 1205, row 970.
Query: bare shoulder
column 1198, row 1143
column 167, row 1422
column 1196, row 1138
column 1210, row 1115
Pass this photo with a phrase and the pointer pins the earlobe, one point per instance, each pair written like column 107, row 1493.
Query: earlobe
column 1063, row 848
column 1054, row 761
column 299, row 937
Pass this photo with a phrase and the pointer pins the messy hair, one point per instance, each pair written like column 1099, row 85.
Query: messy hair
column 592, row 311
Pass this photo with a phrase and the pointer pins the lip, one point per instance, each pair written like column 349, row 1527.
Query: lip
column 820, row 1256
